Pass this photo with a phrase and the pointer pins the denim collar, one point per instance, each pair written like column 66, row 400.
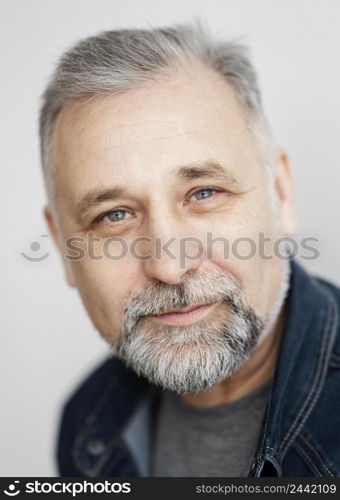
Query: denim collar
column 115, row 438
column 311, row 324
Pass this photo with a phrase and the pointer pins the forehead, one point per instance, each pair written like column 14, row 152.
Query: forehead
column 189, row 117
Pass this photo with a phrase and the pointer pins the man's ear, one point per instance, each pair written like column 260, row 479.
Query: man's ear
column 58, row 240
column 283, row 185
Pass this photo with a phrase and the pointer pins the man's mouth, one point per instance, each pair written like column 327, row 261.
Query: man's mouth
column 184, row 315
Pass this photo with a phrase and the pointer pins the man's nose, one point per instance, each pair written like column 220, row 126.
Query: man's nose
column 173, row 252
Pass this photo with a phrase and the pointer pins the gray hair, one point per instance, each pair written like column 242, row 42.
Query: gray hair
column 116, row 61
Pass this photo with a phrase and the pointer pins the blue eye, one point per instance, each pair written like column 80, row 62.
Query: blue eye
column 115, row 216
column 204, row 193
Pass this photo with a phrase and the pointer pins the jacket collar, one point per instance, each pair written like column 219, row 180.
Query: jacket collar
column 123, row 417
column 311, row 324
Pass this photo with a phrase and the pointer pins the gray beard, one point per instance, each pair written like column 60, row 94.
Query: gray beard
column 190, row 358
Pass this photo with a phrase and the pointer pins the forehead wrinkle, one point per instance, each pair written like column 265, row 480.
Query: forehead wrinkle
column 89, row 154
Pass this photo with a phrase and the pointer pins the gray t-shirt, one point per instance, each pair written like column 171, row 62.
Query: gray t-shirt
column 218, row 441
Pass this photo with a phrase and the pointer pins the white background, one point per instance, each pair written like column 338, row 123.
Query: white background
column 48, row 341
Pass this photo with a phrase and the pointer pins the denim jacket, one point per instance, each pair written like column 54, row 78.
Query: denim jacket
column 106, row 425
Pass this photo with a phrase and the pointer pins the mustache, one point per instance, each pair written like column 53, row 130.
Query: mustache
column 199, row 287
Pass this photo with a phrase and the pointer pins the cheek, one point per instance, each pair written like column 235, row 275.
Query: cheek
column 103, row 287
column 243, row 245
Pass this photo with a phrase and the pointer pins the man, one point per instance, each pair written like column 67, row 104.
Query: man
column 168, row 201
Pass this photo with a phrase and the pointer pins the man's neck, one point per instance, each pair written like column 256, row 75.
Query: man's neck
column 253, row 373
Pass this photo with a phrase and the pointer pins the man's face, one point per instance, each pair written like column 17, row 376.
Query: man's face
column 168, row 164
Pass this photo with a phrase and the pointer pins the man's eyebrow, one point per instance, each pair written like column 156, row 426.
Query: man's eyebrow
column 97, row 196
column 195, row 170
column 210, row 168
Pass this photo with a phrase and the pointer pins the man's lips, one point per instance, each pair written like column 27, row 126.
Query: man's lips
column 184, row 315
column 186, row 309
